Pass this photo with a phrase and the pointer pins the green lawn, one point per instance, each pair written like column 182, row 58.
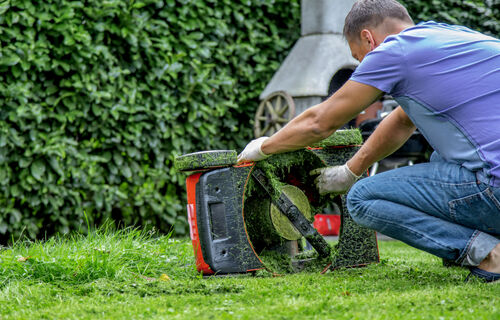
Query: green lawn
column 113, row 274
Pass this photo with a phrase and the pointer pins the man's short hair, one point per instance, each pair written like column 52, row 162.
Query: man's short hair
column 370, row 14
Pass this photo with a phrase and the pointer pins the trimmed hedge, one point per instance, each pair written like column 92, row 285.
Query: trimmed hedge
column 483, row 16
column 98, row 97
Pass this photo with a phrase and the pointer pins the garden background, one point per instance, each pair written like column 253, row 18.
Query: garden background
column 98, row 97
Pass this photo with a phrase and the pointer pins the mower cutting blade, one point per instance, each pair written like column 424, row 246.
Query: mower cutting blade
column 286, row 206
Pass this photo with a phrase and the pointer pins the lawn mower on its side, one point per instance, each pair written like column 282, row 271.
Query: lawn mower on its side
column 255, row 216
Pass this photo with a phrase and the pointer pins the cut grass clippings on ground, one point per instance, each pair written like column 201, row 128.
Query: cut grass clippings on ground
column 134, row 274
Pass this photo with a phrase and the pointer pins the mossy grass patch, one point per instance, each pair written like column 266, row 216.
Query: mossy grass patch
column 206, row 160
column 348, row 137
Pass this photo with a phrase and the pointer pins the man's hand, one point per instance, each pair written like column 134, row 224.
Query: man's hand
column 253, row 151
column 336, row 179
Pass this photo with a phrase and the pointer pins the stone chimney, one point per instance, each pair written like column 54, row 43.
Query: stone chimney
column 324, row 16
column 312, row 68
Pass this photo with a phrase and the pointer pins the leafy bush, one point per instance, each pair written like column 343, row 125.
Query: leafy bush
column 482, row 16
column 99, row 96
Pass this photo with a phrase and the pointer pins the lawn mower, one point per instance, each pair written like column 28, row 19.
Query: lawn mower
column 248, row 217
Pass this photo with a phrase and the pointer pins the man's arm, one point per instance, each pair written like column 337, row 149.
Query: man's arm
column 320, row 121
column 389, row 136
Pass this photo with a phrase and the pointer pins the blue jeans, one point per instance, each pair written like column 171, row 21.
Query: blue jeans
column 438, row 207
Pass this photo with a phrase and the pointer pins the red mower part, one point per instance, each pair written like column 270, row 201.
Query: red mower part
column 327, row 224
column 191, row 182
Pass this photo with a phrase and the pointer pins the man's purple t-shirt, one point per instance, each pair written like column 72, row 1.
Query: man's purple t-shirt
column 447, row 79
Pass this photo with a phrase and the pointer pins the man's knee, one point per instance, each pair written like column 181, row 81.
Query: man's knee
column 357, row 201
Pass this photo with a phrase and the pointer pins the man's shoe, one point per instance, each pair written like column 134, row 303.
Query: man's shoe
column 482, row 275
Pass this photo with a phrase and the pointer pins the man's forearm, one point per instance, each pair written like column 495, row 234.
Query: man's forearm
column 322, row 120
column 302, row 131
column 389, row 136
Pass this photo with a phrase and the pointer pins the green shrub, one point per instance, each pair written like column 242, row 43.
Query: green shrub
column 483, row 16
column 99, row 96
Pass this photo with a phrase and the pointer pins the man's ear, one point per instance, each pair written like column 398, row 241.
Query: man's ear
column 368, row 39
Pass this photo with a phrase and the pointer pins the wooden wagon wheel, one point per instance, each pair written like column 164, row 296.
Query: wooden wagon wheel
column 273, row 113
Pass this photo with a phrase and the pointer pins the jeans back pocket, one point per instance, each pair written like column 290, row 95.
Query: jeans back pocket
column 479, row 211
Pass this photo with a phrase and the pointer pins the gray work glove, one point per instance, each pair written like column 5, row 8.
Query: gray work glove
column 337, row 179
column 253, row 151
